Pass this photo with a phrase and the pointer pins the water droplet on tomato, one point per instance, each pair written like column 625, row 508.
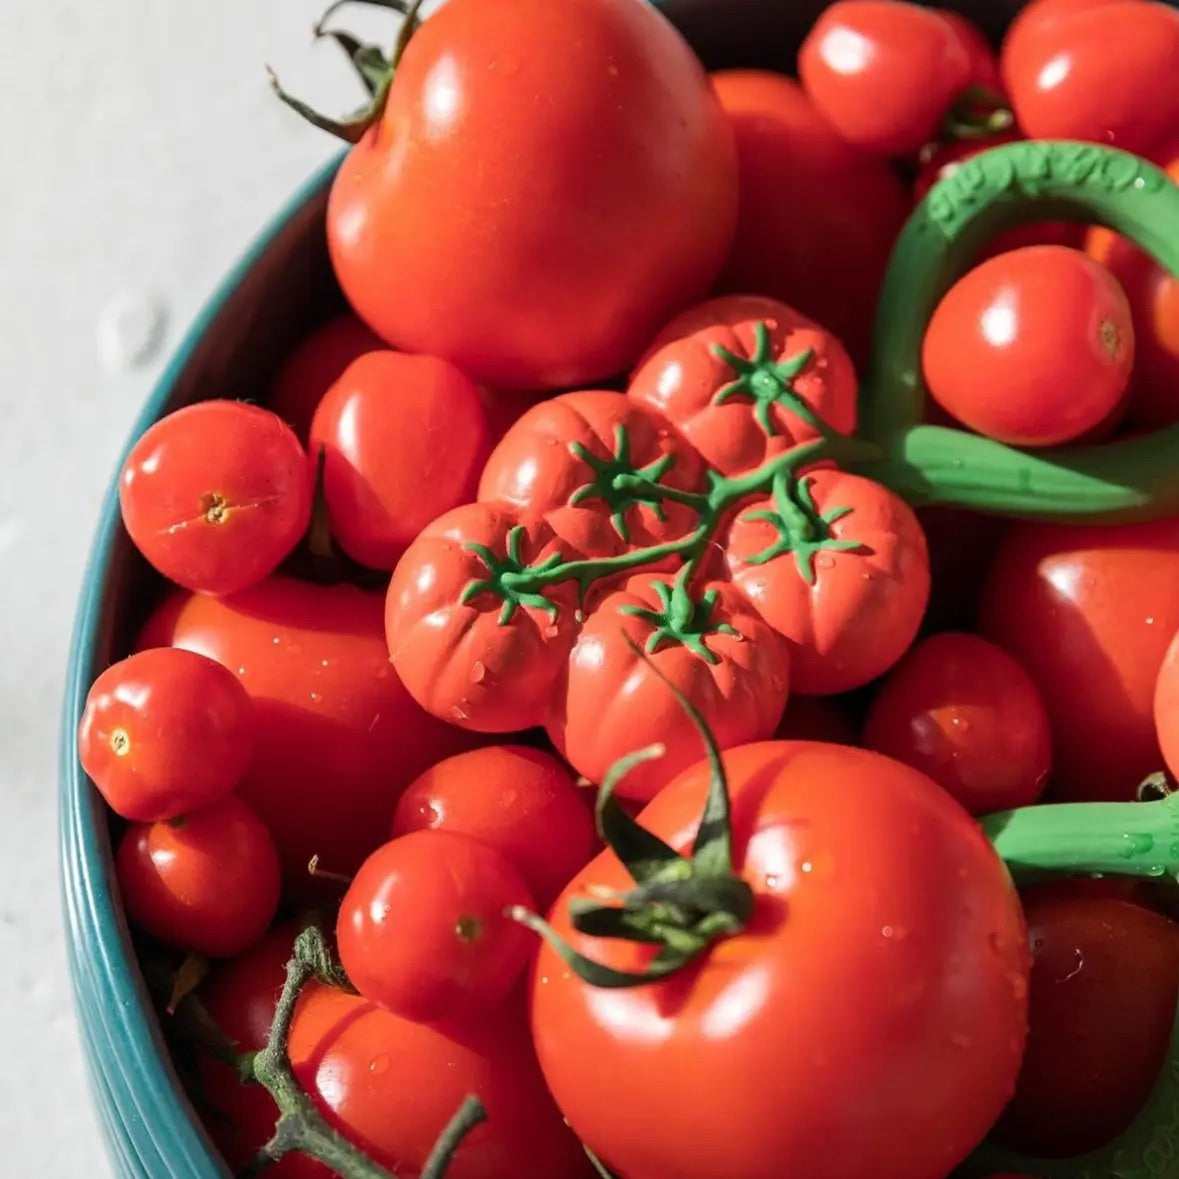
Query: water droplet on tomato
column 887, row 931
column 478, row 672
column 1150, row 622
column 771, row 881
column 379, row 1064
column 314, row 697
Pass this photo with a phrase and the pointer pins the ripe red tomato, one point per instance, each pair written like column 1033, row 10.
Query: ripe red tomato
column 422, row 928
column 216, row 494
column 1089, row 612
column 963, row 711
column 802, row 237
column 881, row 984
column 1104, row 984
column 315, row 366
column 745, row 378
column 984, row 65
column 165, row 732
column 404, row 439
column 816, row 718
column 1038, row 22
column 850, row 608
column 1103, row 72
column 611, row 703
column 526, row 806
column 884, row 73
column 206, row 883
column 338, row 735
column 547, row 186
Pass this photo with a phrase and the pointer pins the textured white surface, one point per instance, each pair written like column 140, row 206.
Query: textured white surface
column 141, row 152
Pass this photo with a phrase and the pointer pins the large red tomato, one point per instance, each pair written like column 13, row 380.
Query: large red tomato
column 548, row 184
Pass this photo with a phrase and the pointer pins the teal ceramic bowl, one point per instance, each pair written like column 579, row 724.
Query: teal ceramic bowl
column 280, row 288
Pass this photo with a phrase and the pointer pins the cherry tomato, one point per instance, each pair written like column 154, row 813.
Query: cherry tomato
column 215, row 495
column 884, row 73
column 984, row 65
column 315, row 366
column 521, row 801
column 1166, row 706
column 547, row 186
column 611, row 702
column 744, row 379
column 816, row 718
column 963, row 711
column 1088, row 611
column 1038, row 21
column 850, row 600
column 802, row 237
column 1153, row 294
column 165, row 732
column 881, row 984
column 422, row 929
column 1107, row 73
column 404, row 439
column 1104, row 983
column 338, row 735
column 1033, row 347
column 207, row 882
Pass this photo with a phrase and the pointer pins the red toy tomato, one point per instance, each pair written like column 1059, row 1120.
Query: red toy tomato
column 207, row 883
column 850, row 602
column 963, row 711
column 547, row 186
column 802, row 237
column 403, row 440
column 1033, row 347
column 884, row 73
column 881, row 984
column 1089, row 612
column 215, row 495
column 744, row 379
column 165, row 732
column 521, row 801
column 422, row 930
column 611, row 703
column 1038, row 22
column 1107, row 73
column 338, row 735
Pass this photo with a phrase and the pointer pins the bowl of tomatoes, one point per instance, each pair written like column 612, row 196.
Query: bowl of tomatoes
column 637, row 634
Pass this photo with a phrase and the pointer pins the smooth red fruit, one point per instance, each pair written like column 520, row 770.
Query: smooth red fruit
column 165, row 732
column 1039, row 21
column 984, row 64
column 215, row 495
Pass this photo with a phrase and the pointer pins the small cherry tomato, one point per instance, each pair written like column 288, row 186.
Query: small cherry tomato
column 207, row 883
column 165, row 732
column 744, row 379
column 521, row 801
column 963, row 711
column 884, row 73
column 1033, row 347
column 816, row 718
column 403, row 440
column 423, row 930
column 215, row 495
column 1038, row 21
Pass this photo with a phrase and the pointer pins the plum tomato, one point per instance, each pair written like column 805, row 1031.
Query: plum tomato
column 963, row 711
column 207, row 883
column 165, row 732
column 403, row 440
column 1033, row 347
column 422, row 928
column 746, row 378
column 216, row 495
column 521, row 801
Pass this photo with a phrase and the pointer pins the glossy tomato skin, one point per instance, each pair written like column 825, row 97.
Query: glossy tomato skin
column 556, row 272
column 521, row 801
column 339, row 737
column 1106, row 73
column 1038, row 22
column 865, row 604
column 216, row 494
column 964, row 712
column 611, row 703
column 165, row 732
column 403, row 440
column 886, row 942
column 1033, row 347
column 1089, row 612
column 683, row 379
column 884, row 73
column 802, row 237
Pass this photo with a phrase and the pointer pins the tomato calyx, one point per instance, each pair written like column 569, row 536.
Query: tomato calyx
column 681, row 618
column 768, row 382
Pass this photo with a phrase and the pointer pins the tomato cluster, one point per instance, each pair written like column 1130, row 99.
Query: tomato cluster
column 601, row 711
